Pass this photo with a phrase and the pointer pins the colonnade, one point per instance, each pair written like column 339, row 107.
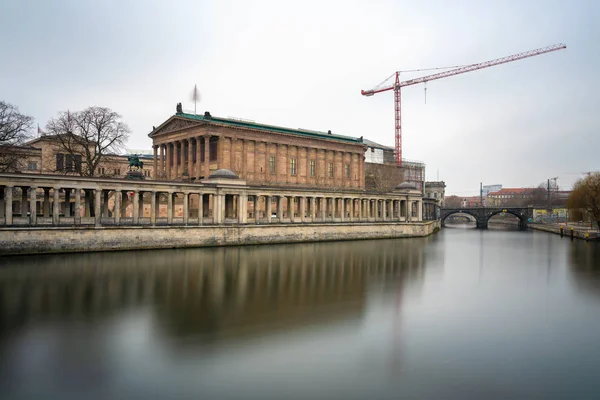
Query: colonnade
column 195, row 157
column 64, row 201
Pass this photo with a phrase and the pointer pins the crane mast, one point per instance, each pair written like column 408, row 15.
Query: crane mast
column 397, row 85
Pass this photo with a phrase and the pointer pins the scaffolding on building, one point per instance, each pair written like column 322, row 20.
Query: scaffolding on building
column 414, row 172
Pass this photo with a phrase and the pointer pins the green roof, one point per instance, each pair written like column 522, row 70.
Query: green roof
column 271, row 128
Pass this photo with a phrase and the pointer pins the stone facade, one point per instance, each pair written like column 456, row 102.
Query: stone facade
column 436, row 190
column 41, row 156
column 190, row 147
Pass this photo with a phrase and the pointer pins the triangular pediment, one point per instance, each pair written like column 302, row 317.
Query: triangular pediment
column 174, row 124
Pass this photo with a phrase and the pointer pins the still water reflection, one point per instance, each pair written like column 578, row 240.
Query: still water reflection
column 463, row 314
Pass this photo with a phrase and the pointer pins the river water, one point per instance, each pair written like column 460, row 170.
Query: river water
column 464, row 314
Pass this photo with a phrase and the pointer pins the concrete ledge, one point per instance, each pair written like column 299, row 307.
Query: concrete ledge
column 66, row 240
column 578, row 234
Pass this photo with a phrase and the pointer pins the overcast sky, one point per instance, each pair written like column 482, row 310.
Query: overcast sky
column 302, row 64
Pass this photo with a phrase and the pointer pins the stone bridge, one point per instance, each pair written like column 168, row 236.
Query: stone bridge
column 483, row 214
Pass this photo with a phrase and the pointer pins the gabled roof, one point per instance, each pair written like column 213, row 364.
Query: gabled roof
column 208, row 119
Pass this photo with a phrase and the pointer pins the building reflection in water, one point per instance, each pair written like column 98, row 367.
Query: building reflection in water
column 207, row 293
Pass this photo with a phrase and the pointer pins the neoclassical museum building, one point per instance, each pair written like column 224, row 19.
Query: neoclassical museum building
column 191, row 147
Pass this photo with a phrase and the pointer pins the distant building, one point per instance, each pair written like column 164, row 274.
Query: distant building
column 44, row 155
column 487, row 189
column 412, row 171
column 472, row 201
column 378, row 154
column 436, row 190
column 509, row 196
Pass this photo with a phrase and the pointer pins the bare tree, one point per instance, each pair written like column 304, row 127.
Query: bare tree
column 88, row 137
column 586, row 197
column 14, row 130
column 453, row 201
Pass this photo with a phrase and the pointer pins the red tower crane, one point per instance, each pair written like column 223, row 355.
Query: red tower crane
column 461, row 70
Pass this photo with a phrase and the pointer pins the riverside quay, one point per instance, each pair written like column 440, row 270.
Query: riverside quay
column 107, row 214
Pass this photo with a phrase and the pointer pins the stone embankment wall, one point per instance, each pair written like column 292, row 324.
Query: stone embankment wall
column 64, row 240
column 577, row 233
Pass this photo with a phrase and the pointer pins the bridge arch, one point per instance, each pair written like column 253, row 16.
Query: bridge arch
column 458, row 211
column 522, row 218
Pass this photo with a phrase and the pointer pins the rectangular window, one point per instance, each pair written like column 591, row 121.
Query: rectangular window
column 348, row 171
column 60, row 161
column 312, row 167
column 69, row 163
column 101, row 170
column 212, row 149
column 435, row 195
column 32, row 166
column 330, row 170
column 272, row 164
column 292, row 166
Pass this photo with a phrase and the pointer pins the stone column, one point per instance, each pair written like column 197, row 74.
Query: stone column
column 323, row 208
column 169, row 208
column 77, row 210
column 32, row 205
column 67, row 202
column 232, row 146
column 190, row 167
column 256, row 210
column 8, row 198
column 186, row 207
column 155, row 161
column 97, row 211
column 162, row 162
column 360, row 209
column 342, row 209
column 153, row 208
column 46, row 206
column 105, row 205
column 200, row 203
column 291, row 206
column 420, row 210
column 198, row 157
column 56, row 206
column 279, row 208
column 169, row 159
column 302, row 209
column 313, row 210
column 268, row 207
column 117, row 209
column 256, row 173
column 244, row 159
column 136, row 207
column 220, row 211
column 384, row 207
column 242, row 208
column 206, row 156
column 178, row 155
column 307, row 166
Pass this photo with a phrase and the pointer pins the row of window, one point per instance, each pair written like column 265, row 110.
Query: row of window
column 68, row 162
column 273, row 166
